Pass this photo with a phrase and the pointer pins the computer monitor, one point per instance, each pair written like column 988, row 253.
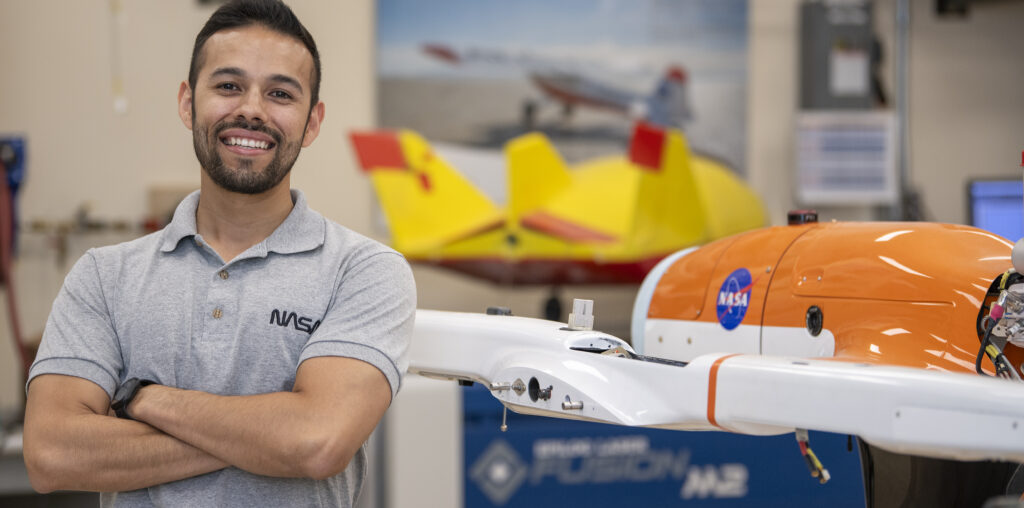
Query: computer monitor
column 997, row 206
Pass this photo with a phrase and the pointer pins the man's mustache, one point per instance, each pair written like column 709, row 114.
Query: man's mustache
column 250, row 126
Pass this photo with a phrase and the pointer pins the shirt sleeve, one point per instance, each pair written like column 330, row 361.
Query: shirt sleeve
column 371, row 317
column 79, row 338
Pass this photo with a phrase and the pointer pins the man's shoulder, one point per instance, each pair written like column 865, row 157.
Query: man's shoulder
column 118, row 252
column 357, row 246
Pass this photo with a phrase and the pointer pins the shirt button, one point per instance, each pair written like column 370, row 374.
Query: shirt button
column 217, row 313
column 223, row 274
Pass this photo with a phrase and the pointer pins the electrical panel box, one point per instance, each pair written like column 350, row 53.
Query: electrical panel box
column 838, row 52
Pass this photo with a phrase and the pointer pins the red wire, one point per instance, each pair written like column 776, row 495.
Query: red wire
column 6, row 240
column 803, row 448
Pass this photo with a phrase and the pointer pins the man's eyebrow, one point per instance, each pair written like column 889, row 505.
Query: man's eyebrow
column 230, row 71
column 288, row 80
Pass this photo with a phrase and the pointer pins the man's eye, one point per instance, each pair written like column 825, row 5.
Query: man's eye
column 228, row 86
column 280, row 94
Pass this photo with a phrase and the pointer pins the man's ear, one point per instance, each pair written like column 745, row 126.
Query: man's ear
column 316, row 117
column 185, row 104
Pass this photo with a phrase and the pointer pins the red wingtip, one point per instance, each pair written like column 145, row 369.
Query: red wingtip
column 442, row 52
column 1022, row 158
column 378, row 150
column 646, row 146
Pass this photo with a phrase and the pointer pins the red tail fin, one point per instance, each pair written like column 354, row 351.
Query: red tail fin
column 378, row 150
column 646, row 147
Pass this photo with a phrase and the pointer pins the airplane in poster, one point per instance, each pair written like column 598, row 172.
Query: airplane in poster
column 668, row 103
column 906, row 335
column 608, row 220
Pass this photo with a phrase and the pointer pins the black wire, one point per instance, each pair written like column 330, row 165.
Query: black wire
column 810, row 464
column 1005, row 367
column 1000, row 366
column 990, row 325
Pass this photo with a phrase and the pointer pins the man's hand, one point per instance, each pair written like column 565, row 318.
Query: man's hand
column 124, row 395
column 73, row 442
column 312, row 431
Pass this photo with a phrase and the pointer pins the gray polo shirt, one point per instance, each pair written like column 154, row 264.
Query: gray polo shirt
column 166, row 307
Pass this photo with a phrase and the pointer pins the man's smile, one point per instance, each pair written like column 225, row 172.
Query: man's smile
column 246, row 142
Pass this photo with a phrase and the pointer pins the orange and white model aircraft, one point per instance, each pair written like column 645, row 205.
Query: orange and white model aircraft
column 608, row 220
column 906, row 335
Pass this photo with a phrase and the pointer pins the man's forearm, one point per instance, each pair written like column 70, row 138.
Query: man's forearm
column 310, row 432
column 269, row 434
column 105, row 454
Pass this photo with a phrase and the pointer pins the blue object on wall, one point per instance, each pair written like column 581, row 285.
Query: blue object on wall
column 12, row 153
column 546, row 462
column 998, row 206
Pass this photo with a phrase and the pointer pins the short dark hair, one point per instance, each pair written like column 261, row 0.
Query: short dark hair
column 272, row 14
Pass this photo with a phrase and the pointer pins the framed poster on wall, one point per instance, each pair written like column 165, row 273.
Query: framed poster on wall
column 480, row 73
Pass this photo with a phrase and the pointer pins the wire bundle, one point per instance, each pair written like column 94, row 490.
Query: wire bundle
column 813, row 464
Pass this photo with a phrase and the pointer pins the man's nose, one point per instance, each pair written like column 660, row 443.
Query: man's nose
column 251, row 106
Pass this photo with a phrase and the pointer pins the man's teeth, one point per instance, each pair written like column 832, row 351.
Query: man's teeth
column 249, row 143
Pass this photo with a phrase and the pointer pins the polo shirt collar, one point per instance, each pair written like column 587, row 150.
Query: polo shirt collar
column 303, row 229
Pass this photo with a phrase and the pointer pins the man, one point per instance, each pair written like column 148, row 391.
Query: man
column 242, row 355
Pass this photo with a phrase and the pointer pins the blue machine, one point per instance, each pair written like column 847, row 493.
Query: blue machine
column 546, row 462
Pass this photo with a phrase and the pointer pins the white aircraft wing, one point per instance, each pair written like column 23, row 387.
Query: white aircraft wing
column 541, row 367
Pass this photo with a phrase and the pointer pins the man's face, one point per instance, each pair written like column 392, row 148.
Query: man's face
column 250, row 111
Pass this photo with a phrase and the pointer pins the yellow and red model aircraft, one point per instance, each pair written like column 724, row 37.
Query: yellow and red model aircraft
column 608, row 220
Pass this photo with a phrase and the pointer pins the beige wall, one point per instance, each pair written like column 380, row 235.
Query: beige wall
column 58, row 57
column 56, row 81
column 966, row 103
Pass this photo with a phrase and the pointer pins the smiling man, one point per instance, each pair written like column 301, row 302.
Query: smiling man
column 242, row 355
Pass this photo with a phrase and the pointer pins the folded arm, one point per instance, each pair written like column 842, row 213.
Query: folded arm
column 72, row 443
column 312, row 431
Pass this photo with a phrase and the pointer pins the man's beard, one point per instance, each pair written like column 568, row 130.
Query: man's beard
column 243, row 179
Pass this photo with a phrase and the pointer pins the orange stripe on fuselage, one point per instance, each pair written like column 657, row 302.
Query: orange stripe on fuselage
column 713, row 387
